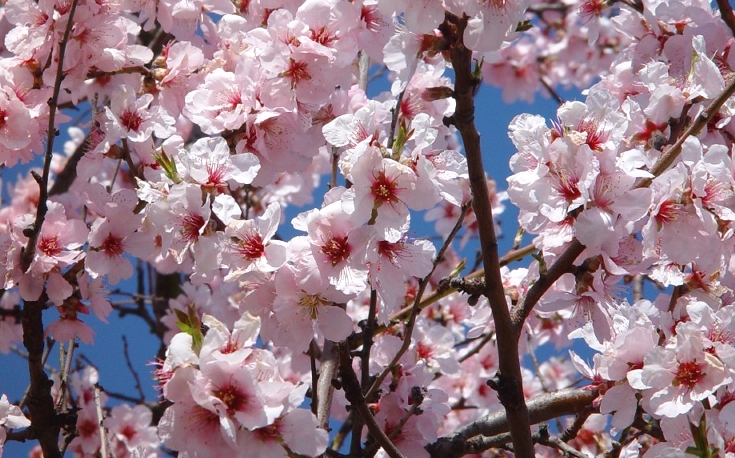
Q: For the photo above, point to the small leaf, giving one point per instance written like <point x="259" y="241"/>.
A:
<point x="523" y="26"/>
<point x="188" y="322"/>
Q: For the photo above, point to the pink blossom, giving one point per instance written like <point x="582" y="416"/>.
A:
<point x="298" y="430"/>
<point x="69" y="326"/>
<point x="88" y="441"/>
<point x="16" y="129"/>
<point x="410" y="441"/>
<point x="337" y="258"/>
<point x="130" y="426"/>
<point x="234" y="347"/>
<point x="11" y="331"/>
<point x="59" y="242"/>
<point x="490" y="22"/>
<point x="10" y="417"/>
<point x="331" y="25"/>
<point x="177" y="74"/>
<point x="234" y="396"/>
<point x="93" y="291"/>
<point x="384" y="192"/>
<point x="184" y="19"/>
<point x="224" y="99"/>
<point x="130" y="117"/>
<point x="435" y="348"/>
<point x="680" y="376"/>
<point x="422" y="16"/>
<point x="113" y="235"/>
<point x="187" y="425"/>
<point x="305" y="301"/>
<point x="250" y="246"/>
<point x="389" y="261"/>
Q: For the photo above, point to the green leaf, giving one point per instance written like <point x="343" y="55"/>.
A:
<point x="168" y="165"/>
<point x="188" y="322"/>
<point x="523" y="26"/>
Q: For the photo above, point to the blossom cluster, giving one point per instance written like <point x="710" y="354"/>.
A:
<point x="210" y="122"/>
<point x="593" y="176"/>
<point x="230" y="397"/>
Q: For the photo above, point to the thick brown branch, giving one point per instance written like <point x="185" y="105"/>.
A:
<point x="562" y="265"/>
<point x="727" y="15"/>
<point x="542" y="408"/>
<point x="66" y="177"/>
<point x="510" y="382"/>
<point x="41" y="410"/>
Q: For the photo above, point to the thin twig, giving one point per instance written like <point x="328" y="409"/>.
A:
<point x="364" y="65"/>
<point x="435" y="296"/>
<point x="558" y="444"/>
<point x="395" y="431"/>
<point x="132" y="370"/>
<point x="65" y="363"/>
<point x="335" y="169"/>
<point x="367" y="343"/>
<point x="367" y="340"/>
<point x="100" y="422"/>
<point x="342" y="432"/>
<point x="313" y="350"/>
<point x="394" y="120"/>
<point x="554" y="95"/>
<point x="415" y="308"/>
<point x="571" y="432"/>
<point x="562" y="265"/>
<point x="637" y="287"/>
<point x="114" y="175"/>
<point x="41" y="409"/>
<point x="476" y="349"/>
<point x="665" y="161"/>
<point x="534" y="362"/>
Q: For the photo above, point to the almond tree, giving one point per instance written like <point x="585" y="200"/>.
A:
<point x="232" y="163"/>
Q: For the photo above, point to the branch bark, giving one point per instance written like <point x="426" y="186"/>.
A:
<point x="353" y="393"/>
<point x="324" y="387"/>
<point x="42" y="412"/>
<point x="41" y="409"/>
<point x="509" y="381"/>
<point x="727" y="15"/>
<point x="546" y="407"/>
<point x="704" y="117"/>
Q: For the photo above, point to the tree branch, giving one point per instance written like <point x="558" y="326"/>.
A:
<point x="416" y="307"/>
<point x="545" y="407"/>
<point x="41" y="409"/>
<point x="353" y="393"/>
<point x="665" y="161"/>
<point x="727" y="15"/>
<point x="562" y="265"/>
<point x="324" y="387"/>
<point x="510" y="381"/>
